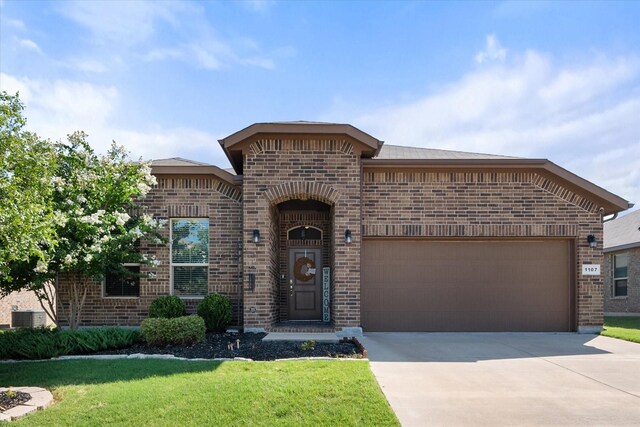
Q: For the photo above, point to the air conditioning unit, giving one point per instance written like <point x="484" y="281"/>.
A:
<point x="28" y="319"/>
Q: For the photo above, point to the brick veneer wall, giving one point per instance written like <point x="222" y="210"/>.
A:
<point x="278" y="169"/>
<point x="423" y="203"/>
<point x="630" y="303"/>
<point x="178" y="197"/>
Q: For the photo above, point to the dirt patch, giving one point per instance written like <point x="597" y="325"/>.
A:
<point x="10" y="399"/>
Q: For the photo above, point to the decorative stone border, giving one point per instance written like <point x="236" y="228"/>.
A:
<point x="164" y="357"/>
<point x="40" y="399"/>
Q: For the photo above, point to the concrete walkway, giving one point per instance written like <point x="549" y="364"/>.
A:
<point x="462" y="379"/>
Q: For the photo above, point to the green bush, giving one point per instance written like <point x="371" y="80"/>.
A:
<point x="216" y="311"/>
<point x="184" y="330"/>
<point x="167" y="306"/>
<point x="44" y="343"/>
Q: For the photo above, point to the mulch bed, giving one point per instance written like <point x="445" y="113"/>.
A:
<point x="251" y="347"/>
<point x="11" y="399"/>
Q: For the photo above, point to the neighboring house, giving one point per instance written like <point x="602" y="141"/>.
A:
<point x="322" y="227"/>
<point x="18" y="301"/>
<point x="622" y="264"/>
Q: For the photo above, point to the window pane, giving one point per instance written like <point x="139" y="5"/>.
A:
<point x="190" y="241"/>
<point x="190" y="281"/>
<point x="620" y="265"/>
<point x="119" y="284"/>
<point x="620" y="288"/>
<point x="304" y="233"/>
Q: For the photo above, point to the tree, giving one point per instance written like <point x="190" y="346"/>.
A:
<point x="95" y="224"/>
<point x="26" y="228"/>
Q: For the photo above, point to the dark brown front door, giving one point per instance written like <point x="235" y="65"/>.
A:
<point x="305" y="283"/>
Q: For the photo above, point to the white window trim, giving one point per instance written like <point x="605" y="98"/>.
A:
<point x="614" y="278"/>
<point x="171" y="290"/>
<point x="104" y="284"/>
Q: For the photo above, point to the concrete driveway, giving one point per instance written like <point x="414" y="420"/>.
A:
<point x="461" y="379"/>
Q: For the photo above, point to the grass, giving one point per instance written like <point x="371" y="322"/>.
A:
<point x="624" y="328"/>
<point x="177" y="393"/>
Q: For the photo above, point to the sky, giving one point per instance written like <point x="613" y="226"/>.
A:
<point x="555" y="80"/>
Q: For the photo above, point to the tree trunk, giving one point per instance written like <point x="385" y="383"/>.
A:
<point x="77" y="298"/>
<point x="47" y="299"/>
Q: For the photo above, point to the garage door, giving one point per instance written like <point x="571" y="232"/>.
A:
<point x="501" y="285"/>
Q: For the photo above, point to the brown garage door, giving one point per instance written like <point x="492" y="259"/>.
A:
<point x="500" y="285"/>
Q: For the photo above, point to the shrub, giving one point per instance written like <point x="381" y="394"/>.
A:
<point x="44" y="343"/>
<point x="184" y="330"/>
<point x="216" y="311"/>
<point x="308" y="345"/>
<point x="167" y="306"/>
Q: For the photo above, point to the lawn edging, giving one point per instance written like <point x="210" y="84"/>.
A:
<point x="167" y="357"/>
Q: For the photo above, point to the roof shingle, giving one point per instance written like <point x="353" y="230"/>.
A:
<point x="623" y="232"/>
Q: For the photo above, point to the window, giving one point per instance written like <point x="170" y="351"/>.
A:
<point x="620" y="262"/>
<point x="122" y="284"/>
<point x="190" y="257"/>
<point x="304" y="233"/>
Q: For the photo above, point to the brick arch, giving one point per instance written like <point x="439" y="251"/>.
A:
<point x="302" y="190"/>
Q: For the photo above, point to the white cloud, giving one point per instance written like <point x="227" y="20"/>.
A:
<point x="57" y="108"/>
<point x="87" y="65"/>
<point x="188" y="35"/>
<point x="260" y="6"/>
<point x="15" y="23"/>
<point x="127" y="23"/>
<point x="30" y="45"/>
<point x="583" y="117"/>
<point x="493" y="51"/>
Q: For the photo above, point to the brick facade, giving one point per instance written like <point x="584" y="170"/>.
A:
<point x="460" y="204"/>
<point x="367" y="198"/>
<point x="177" y="197"/>
<point x="277" y="170"/>
<point x="630" y="303"/>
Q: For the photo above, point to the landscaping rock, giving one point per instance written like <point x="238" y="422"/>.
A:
<point x="217" y="346"/>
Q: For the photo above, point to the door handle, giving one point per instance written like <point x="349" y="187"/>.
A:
<point x="291" y="287"/>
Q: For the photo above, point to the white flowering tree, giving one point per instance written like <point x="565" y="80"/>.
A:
<point x="97" y="224"/>
<point x="25" y="193"/>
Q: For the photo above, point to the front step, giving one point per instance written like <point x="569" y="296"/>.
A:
<point x="302" y="327"/>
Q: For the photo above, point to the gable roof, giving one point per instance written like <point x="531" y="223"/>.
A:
<point x="176" y="161"/>
<point x="232" y="144"/>
<point x="622" y="233"/>
<point x="389" y="151"/>
<point x="180" y="166"/>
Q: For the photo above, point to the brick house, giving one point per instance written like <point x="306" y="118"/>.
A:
<point x="321" y="226"/>
<point x="622" y="264"/>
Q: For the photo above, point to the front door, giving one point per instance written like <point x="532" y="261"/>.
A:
<point x="305" y="284"/>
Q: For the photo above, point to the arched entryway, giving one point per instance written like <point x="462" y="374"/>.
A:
<point x="304" y="260"/>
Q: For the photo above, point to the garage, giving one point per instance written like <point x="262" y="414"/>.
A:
<point x="467" y="285"/>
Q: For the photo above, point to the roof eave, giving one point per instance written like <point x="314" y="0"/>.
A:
<point x="621" y="247"/>
<point x="223" y="175"/>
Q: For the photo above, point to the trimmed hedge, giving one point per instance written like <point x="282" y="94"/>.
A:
<point x="216" y="311"/>
<point x="45" y="343"/>
<point x="184" y="330"/>
<point x="167" y="306"/>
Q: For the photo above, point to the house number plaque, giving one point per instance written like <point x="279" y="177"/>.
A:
<point x="590" y="269"/>
<point x="326" y="292"/>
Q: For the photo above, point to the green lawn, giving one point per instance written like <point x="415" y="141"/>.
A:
<point x="624" y="328"/>
<point x="174" y="393"/>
